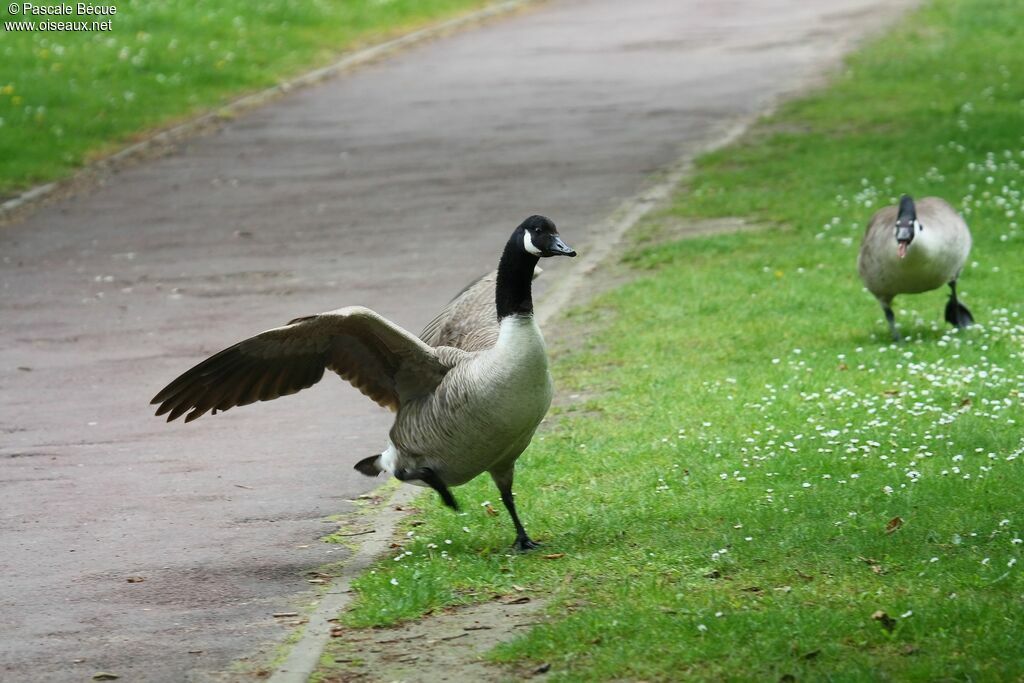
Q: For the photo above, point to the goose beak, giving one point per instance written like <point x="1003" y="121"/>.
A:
<point x="901" y="249"/>
<point x="560" y="248"/>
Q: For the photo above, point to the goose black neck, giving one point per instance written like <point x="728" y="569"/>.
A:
<point x="907" y="209"/>
<point x="513" y="294"/>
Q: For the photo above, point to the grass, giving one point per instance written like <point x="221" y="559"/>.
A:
<point x="751" y="470"/>
<point x="66" y="97"/>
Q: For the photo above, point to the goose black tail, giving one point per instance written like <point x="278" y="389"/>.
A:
<point x="431" y="479"/>
<point x="957" y="314"/>
<point x="370" y="466"/>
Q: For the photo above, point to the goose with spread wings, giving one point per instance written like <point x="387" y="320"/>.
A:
<point x="466" y="403"/>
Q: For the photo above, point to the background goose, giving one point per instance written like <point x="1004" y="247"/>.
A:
<point x="459" y="412"/>
<point x="915" y="248"/>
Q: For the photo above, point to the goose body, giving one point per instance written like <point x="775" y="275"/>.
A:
<point x="915" y="247"/>
<point x="459" y="411"/>
<point x="488" y="405"/>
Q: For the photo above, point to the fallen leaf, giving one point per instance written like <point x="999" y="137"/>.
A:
<point x="554" y="556"/>
<point x="285" y="614"/>
<point x="104" y="676"/>
<point x="805" y="577"/>
<point x="844" y="366"/>
<point x="135" y="579"/>
<point x="316" y="581"/>
<point x="517" y="601"/>
<point x="870" y="561"/>
<point x="542" y="669"/>
<point x="784" y="589"/>
<point x="964" y="403"/>
<point x="887" y="622"/>
<point x="489" y="509"/>
<point x="891" y="392"/>
<point x="713" y="574"/>
<point x="751" y="589"/>
<point x="518" y="589"/>
<point x="894" y="524"/>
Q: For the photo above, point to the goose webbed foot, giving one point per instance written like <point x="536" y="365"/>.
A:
<point x="524" y="543"/>
<point x="956" y="313"/>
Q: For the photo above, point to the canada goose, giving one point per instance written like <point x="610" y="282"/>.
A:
<point x="915" y="248"/>
<point x="458" y="413"/>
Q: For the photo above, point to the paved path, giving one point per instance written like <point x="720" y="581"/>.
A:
<point x="389" y="187"/>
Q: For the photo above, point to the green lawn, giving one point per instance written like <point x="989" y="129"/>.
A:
<point x="68" y="96"/>
<point x="746" y="434"/>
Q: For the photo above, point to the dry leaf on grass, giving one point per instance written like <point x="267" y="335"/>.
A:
<point x="517" y="601"/>
<point x="894" y="524"/>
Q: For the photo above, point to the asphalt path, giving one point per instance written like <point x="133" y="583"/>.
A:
<point x="391" y="187"/>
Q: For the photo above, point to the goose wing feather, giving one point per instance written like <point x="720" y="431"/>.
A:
<point x="470" y="320"/>
<point x="382" y="360"/>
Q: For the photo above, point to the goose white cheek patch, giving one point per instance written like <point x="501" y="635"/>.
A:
<point x="528" y="244"/>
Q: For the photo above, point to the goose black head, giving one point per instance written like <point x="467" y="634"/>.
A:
<point x="906" y="225"/>
<point x="540" y="238"/>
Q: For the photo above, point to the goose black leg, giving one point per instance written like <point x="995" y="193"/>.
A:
<point x="503" y="480"/>
<point x="890" y="318"/>
<point x="430" y="478"/>
<point x="956" y="313"/>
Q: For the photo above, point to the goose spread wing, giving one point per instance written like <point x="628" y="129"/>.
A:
<point x="379" y="358"/>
